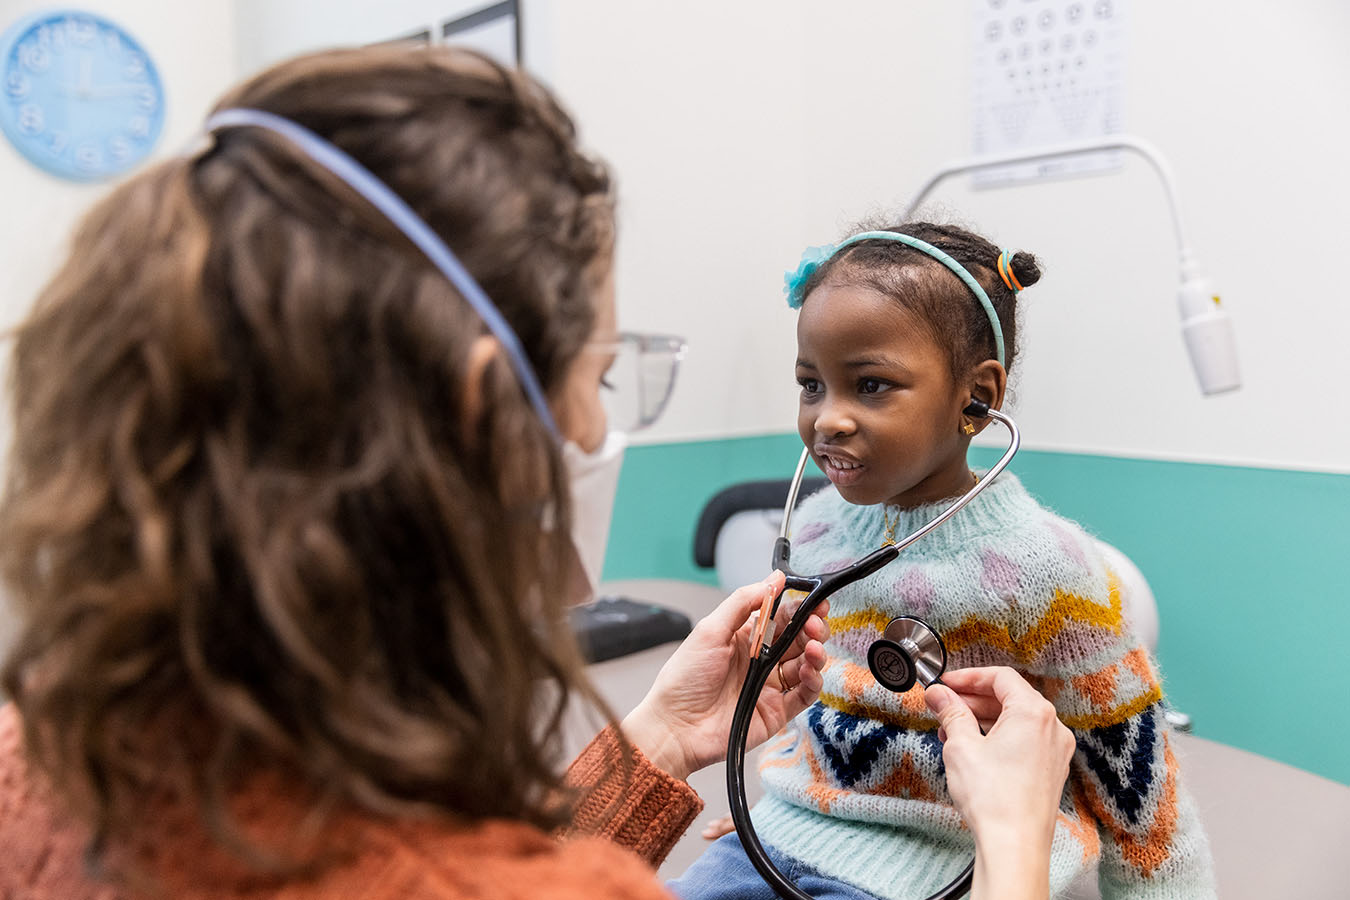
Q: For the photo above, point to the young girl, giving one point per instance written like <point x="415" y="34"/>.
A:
<point x="892" y="346"/>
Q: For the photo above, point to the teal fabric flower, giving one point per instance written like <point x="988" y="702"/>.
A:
<point x="795" y="282"/>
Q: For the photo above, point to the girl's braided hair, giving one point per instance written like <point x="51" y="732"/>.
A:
<point x="928" y="289"/>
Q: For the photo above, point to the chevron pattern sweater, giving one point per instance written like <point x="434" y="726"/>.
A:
<point x="855" y="785"/>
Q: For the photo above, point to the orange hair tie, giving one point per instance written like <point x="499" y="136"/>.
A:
<point x="1006" y="273"/>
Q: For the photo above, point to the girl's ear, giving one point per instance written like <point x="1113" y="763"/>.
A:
<point x="986" y="382"/>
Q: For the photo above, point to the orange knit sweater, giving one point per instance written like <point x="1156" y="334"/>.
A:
<point x="42" y="853"/>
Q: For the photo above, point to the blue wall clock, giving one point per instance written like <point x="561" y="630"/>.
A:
<point x="81" y="98"/>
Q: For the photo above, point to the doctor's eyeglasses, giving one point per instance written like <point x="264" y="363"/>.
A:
<point x="639" y="382"/>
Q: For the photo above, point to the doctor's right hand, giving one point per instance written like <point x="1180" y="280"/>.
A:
<point x="1007" y="783"/>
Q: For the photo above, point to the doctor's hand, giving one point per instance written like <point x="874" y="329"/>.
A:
<point x="1007" y="783"/>
<point x="683" y="723"/>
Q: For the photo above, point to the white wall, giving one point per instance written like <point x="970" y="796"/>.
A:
<point x="699" y="108"/>
<point x="696" y="106"/>
<point x="733" y="126"/>
<point x="272" y="30"/>
<point x="741" y="132"/>
<point x="1245" y="98"/>
<point x="192" y="44"/>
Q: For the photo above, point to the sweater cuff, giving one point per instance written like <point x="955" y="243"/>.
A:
<point x="628" y="800"/>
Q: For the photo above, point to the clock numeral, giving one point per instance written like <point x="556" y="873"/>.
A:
<point x="53" y="36"/>
<point x="81" y="31"/>
<point x="34" y="56"/>
<point x="135" y="67"/>
<point x="146" y="99"/>
<point x="57" y="142"/>
<point x="17" y="85"/>
<point x="139" y="126"/>
<point x="88" y="157"/>
<point x="120" y="148"/>
<point x="113" y="42"/>
<point x="31" y="119"/>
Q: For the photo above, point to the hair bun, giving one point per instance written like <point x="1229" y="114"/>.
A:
<point x="1025" y="268"/>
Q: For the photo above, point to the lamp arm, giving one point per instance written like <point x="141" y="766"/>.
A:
<point x="1112" y="142"/>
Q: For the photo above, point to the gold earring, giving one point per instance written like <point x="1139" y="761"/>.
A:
<point x="968" y="429"/>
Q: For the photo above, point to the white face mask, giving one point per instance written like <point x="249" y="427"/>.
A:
<point x="594" y="481"/>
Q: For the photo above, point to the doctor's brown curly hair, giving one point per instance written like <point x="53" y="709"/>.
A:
<point x="250" y="520"/>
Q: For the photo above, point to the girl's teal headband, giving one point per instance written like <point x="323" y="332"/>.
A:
<point x="814" y="257"/>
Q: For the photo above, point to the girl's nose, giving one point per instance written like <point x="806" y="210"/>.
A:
<point x="834" y="418"/>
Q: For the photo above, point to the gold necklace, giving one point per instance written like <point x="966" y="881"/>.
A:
<point x="888" y="539"/>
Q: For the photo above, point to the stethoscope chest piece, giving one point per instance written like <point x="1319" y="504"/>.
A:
<point x="907" y="651"/>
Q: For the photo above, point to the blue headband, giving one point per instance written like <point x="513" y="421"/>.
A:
<point x="815" y="257"/>
<point x="365" y="183"/>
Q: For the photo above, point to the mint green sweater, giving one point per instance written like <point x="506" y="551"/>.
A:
<point x="855" y="786"/>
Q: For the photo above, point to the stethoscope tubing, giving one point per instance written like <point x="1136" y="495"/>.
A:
<point x="818" y="588"/>
<point x="756" y="677"/>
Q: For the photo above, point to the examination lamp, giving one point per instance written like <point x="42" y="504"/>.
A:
<point x="1205" y="324"/>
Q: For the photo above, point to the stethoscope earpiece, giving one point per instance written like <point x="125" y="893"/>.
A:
<point x="977" y="408"/>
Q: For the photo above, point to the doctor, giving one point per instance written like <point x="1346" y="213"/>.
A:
<point x="289" y="522"/>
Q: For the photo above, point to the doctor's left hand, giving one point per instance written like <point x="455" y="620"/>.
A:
<point x="683" y="723"/>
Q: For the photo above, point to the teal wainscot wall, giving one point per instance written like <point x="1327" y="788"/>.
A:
<point x="1248" y="566"/>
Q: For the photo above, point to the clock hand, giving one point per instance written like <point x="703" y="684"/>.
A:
<point x="84" y="87"/>
<point x="105" y="91"/>
<point x="86" y="75"/>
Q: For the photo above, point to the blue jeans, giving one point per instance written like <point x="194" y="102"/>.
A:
<point x="724" y="872"/>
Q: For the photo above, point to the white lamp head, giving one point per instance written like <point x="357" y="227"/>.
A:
<point x="1204" y="323"/>
<point x="1208" y="332"/>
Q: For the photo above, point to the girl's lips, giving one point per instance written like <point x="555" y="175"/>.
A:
<point x="841" y="472"/>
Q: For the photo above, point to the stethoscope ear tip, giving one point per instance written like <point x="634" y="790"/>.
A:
<point x="977" y="408"/>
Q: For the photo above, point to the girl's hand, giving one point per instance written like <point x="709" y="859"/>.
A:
<point x="683" y="723"/>
<point x="718" y="827"/>
<point x="1007" y="783"/>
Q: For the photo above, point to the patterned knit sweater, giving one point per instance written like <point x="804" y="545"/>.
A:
<point x="855" y="786"/>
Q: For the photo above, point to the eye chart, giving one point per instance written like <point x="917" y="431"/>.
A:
<point x="1047" y="72"/>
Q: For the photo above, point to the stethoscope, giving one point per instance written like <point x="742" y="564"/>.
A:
<point x="908" y="651"/>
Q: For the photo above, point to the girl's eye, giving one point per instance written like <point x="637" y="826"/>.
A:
<point x="871" y="385"/>
<point x="809" y="385"/>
